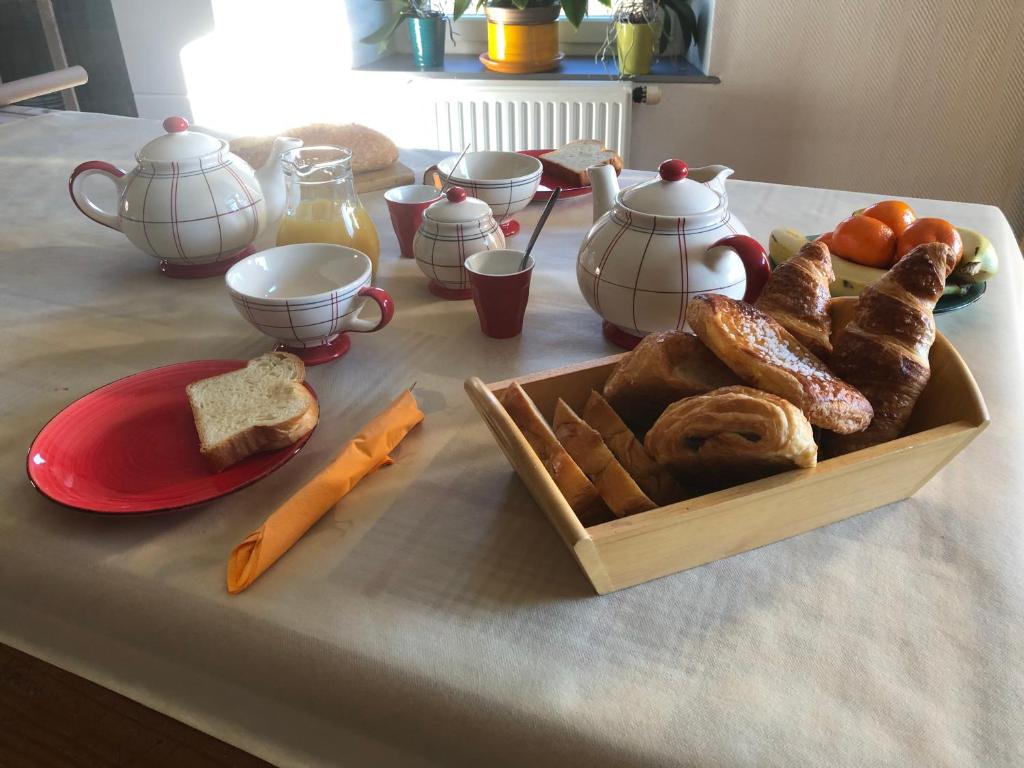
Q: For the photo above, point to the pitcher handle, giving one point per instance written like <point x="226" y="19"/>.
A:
<point x="82" y="201"/>
<point x="755" y="263"/>
<point x="387" y="311"/>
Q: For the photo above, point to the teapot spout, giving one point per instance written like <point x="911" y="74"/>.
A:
<point x="605" y="188"/>
<point x="271" y="177"/>
<point x="712" y="175"/>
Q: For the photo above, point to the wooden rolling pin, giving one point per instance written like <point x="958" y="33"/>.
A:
<point x="40" y="85"/>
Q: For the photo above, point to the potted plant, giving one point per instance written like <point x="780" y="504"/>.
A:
<point x="522" y="35"/>
<point x="635" y="29"/>
<point x="426" y="25"/>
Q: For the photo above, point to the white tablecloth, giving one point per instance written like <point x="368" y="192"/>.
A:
<point x="434" y="617"/>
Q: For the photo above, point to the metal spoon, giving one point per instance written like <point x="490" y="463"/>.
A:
<point x="456" y="166"/>
<point x="540" y="225"/>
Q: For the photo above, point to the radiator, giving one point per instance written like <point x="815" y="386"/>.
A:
<point x="527" y="114"/>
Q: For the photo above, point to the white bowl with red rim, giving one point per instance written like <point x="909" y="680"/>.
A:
<point x="308" y="297"/>
<point x="506" y="181"/>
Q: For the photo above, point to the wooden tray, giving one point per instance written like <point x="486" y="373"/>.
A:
<point x="632" y="550"/>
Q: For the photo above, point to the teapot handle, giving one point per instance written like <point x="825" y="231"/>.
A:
<point x="82" y="201"/>
<point x="755" y="263"/>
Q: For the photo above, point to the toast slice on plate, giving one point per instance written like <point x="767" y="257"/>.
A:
<point x="570" y="163"/>
<point x="261" y="407"/>
<point x="619" y="491"/>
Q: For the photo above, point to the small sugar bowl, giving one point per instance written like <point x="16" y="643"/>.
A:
<point x="453" y="229"/>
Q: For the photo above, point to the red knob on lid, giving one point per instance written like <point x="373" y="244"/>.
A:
<point x="456" y="195"/>
<point x="673" y="170"/>
<point x="175" y="124"/>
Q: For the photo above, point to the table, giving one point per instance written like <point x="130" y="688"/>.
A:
<point x="433" y="617"/>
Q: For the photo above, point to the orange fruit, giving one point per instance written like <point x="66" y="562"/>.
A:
<point x="930" y="231"/>
<point x="827" y="240"/>
<point x="865" y="241"/>
<point x="896" y="214"/>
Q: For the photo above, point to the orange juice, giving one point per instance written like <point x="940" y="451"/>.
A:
<point x="331" y="221"/>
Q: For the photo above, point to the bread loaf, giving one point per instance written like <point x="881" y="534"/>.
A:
<point x="371" y="150"/>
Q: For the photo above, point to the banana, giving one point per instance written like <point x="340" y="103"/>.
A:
<point x="979" y="262"/>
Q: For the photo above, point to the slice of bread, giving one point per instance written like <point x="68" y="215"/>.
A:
<point x="658" y="484"/>
<point x="261" y="407"/>
<point x="619" y="491"/>
<point x="578" y="491"/>
<point x="570" y="163"/>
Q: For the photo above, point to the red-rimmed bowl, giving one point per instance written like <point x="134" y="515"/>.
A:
<point x="131" y="447"/>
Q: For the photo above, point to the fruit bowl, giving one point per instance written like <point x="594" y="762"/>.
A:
<point x="979" y="264"/>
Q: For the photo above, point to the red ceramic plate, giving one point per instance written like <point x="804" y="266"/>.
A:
<point x="131" y="447"/>
<point x="548" y="182"/>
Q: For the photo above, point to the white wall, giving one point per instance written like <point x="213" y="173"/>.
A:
<point x="923" y="98"/>
<point x="152" y="34"/>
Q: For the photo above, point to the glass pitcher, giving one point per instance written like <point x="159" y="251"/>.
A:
<point x="322" y="205"/>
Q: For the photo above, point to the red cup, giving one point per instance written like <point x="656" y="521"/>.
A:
<point x="406" y="206"/>
<point x="500" y="291"/>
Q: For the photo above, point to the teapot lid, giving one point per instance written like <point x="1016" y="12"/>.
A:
<point x="179" y="143"/>
<point x="671" y="193"/>
<point x="456" y="207"/>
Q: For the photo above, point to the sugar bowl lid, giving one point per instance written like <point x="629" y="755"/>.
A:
<point x="670" y="193"/>
<point x="456" y="207"/>
<point x="179" y="143"/>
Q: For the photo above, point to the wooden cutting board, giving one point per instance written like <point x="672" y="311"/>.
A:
<point x="395" y="175"/>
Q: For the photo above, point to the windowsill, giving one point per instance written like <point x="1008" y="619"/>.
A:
<point x="460" y="66"/>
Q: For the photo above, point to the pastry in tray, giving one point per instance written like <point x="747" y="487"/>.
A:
<point x="655" y="481"/>
<point x="575" y="486"/>
<point x="586" y="446"/>
<point x="797" y="296"/>
<point x="732" y="435"/>
<point x="663" y="368"/>
<point x="884" y="350"/>
<point x="765" y="355"/>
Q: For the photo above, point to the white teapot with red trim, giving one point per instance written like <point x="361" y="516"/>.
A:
<point x="657" y="244"/>
<point x="189" y="202"/>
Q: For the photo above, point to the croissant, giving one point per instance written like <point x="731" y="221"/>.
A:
<point x="767" y="356"/>
<point x="731" y="435"/>
<point x="797" y="296"/>
<point x="883" y="351"/>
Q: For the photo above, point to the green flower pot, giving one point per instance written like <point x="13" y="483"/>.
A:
<point x="427" y="38"/>
<point x="635" y="46"/>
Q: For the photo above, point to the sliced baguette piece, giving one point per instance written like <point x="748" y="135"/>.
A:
<point x="658" y="484"/>
<point x="261" y="407"/>
<point x="619" y="491"/>
<point x="578" y="491"/>
<point x="570" y="163"/>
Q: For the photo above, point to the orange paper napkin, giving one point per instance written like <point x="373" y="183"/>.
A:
<point x="367" y="452"/>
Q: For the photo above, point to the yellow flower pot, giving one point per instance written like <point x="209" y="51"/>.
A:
<point x="635" y="45"/>
<point x="522" y="41"/>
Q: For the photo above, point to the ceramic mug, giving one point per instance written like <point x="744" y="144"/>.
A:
<point x="406" y="206"/>
<point x="501" y="290"/>
<point x="308" y="296"/>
